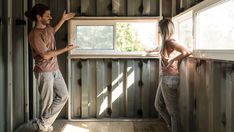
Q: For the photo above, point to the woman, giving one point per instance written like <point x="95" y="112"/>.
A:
<point x="171" y="54"/>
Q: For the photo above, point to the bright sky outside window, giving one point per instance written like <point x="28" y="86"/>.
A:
<point x="95" y="37"/>
<point x="216" y="27"/>
<point x="186" y="33"/>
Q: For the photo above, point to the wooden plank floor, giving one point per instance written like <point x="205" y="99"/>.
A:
<point x="103" y="126"/>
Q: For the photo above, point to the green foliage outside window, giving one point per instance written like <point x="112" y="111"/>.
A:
<point x="127" y="39"/>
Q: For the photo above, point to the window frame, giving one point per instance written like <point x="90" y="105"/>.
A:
<point x="204" y="53"/>
<point x="183" y="17"/>
<point x="72" y="34"/>
<point x="105" y="21"/>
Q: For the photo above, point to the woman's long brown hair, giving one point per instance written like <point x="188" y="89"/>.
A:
<point x="166" y="28"/>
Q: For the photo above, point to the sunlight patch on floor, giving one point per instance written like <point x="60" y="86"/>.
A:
<point x="72" y="128"/>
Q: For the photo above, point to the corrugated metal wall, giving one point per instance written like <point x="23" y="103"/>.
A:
<point x="115" y="7"/>
<point x="13" y="66"/>
<point x="4" y="67"/>
<point x="116" y="88"/>
<point x="206" y="95"/>
<point x="18" y="42"/>
<point x="2" y="73"/>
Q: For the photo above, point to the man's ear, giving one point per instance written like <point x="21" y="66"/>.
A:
<point x="38" y="17"/>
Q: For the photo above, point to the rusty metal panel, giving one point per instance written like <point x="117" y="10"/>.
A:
<point x="88" y="7"/>
<point x="223" y="91"/>
<point x="208" y="104"/>
<point x="196" y="89"/>
<point x="227" y="98"/>
<point x="18" y="42"/>
<point x="186" y="94"/>
<point x="7" y="40"/>
<point x="75" y="6"/>
<point x="115" y="7"/>
<point x="146" y="89"/>
<point x="42" y="2"/>
<point x="230" y="102"/>
<point x="153" y="84"/>
<point x="134" y="7"/>
<point x="210" y="88"/>
<point x="2" y="76"/>
<point x="138" y="89"/>
<point x="191" y="65"/>
<point x="154" y="8"/>
<point x="119" y="7"/>
<point x="202" y="95"/>
<point x="104" y="7"/>
<point x="150" y="7"/>
<point x="215" y="110"/>
<point x="202" y="98"/>
<point x="92" y="89"/>
<point x="85" y="89"/>
<point x="167" y="8"/>
<point x="150" y="79"/>
<point x="76" y="89"/>
<point x="183" y="93"/>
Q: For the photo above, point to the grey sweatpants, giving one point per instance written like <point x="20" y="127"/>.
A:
<point x="166" y="101"/>
<point x="53" y="96"/>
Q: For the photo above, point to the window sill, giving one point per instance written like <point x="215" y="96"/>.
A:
<point x="225" y="55"/>
<point x="115" y="55"/>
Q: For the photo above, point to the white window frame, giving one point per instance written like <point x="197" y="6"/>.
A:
<point x="72" y="34"/>
<point x="210" y="54"/>
<point x="94" y="21"/>
<point x="200" y="53"/>
<point x="180" y="18"/>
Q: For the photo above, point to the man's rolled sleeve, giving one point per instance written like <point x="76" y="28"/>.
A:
<point x="38" y="45"/>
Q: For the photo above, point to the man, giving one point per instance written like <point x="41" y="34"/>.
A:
<point x="51" y="85"/>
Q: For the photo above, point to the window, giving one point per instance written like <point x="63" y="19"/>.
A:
<point x="214" y="30"/>
<point x="186" y="33"/>
<point x="132" y="36"/>
<point x="184" y="30"/>
<point x="208" y="29"/>
<point x="108" y="37"/>
<point x="95" y="37"/>
<point x="215" y="27"/>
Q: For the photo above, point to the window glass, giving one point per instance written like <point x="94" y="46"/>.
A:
<point x="95" y="37"/>
<point x="135" y="36"/>
<point x="186" y="33"/>
<point x="216" y="27"/>
<point x="112" y="37"/>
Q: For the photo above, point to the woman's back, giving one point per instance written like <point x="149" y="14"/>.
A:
<point x="171" y="70"/>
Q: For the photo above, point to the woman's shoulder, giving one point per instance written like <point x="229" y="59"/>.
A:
<point x="170" y="42"/>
